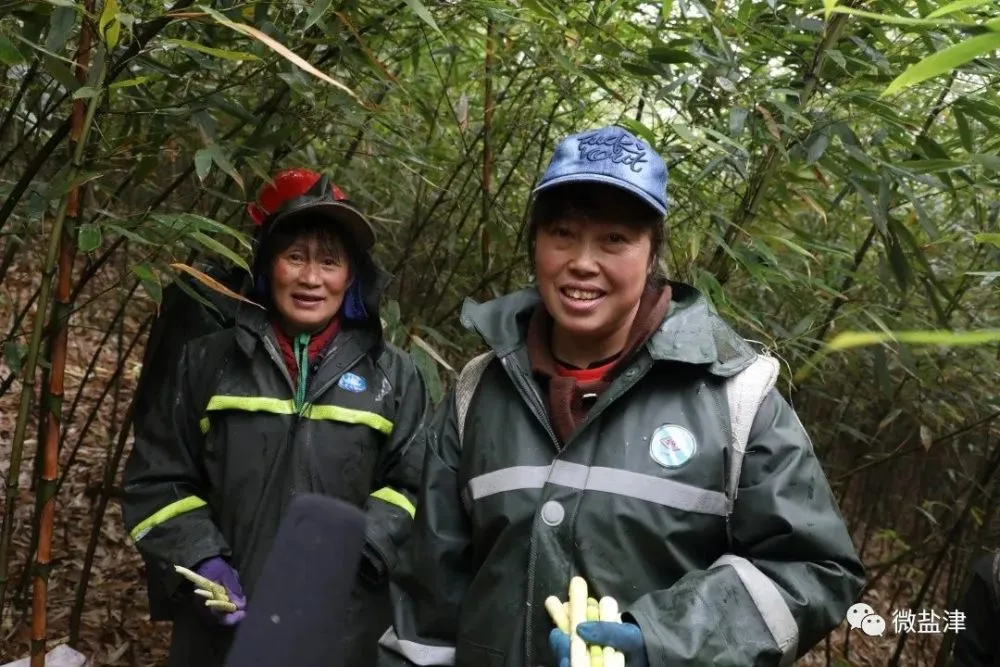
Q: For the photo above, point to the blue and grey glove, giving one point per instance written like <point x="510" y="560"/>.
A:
<point x="624" y="637"/>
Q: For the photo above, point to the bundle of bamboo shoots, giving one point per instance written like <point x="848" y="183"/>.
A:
<point x="215" y="594"/>
<point x="568" y="615"/>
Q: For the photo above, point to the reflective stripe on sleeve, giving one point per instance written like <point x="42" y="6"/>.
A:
<point x="769" y="602"/>
<point x="423" y="655"/>
<point x="394" y="497"/>
<point x="164" y="514"/>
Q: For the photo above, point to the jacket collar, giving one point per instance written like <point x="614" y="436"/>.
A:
<point x="692" y="332"/>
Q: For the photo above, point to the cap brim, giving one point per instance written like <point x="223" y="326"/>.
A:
<point x="606" y="180"/>
<point x="347" y="217"/>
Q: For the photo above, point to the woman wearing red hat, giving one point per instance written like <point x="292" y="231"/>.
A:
<point x="301" y="395"/>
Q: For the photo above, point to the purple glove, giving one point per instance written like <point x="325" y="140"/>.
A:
<point x="221" y="572"/>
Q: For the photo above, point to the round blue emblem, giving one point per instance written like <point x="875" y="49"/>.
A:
<point x="672" y="446"/>
<point x="352" y="382"/>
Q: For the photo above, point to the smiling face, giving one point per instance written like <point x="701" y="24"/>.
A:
<point x="310" y="275"/>
<point x="592" y="263"/>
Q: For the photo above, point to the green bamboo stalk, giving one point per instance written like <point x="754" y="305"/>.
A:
<point x="28" y="384"/>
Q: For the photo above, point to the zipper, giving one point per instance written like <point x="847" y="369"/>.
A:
<point x="277" y="359"/>
<point x="531" y="395"/>
<point x="726" y="455"/>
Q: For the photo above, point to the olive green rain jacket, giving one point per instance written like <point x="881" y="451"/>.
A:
<point x="724" y="555"/>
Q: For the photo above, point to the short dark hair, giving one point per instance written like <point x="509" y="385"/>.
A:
<point x="605" y="203"/>
<point x="329" y="238"/>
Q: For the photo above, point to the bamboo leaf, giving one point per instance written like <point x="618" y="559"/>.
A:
<point x="85" y="92"/>
<point x="957" y="6"/>
<point x="895" y="19"/>
<point x="989" y="238"/>
<point x="109" y="26"/>
<point x="851" y="339"/>
<point x="219" y="249"/>
<point x="944" y="61"/>
<point x="420" y="10"/>
<point x="316" y="12"/>
<point x="426" y="347"/>
<point x="988" y="161"/>
<point x="9" y="55"/>
<point x="14" y="354"/>
<point x="817" y="148"/>
<point x="60" y="73"/>
<point x="225" y="54"/>
<point x="88" y="237"/>
<point x="60" y="25"/>
<point x="127" y="83"/>
<point x="219" y="158"/>
<point x="150" y="281"/>
<point x="792" y="245"/>
<point x="202" y="163"/>
<point x="278" y="48"/>
<point x="212" y="283"/>
<point x="964" y="131"/>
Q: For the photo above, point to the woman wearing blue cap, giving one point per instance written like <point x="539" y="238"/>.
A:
<point x="619" y="431"/>
<point x="302" y="395"/>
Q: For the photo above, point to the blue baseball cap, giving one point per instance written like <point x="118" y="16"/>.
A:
<point x="613" y="156"/>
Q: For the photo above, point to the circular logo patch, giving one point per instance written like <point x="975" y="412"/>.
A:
<point x="672" y="446"/>
<point x="352" y="382"/>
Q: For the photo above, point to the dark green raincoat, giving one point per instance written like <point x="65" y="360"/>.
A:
<point x="218" y="458"/>
<point x="507" y="516"/>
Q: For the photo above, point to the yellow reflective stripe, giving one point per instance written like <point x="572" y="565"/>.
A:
<point x="279" y="406"/>
<point x="394" y="497"/>
<point x="252" y="404"/>
<point x="349" y="416"/>
<point x="175" y="508"/>
<point x="204" y="425"/>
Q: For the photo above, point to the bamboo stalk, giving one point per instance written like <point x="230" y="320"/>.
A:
<point x="45" y="495"/>
<point x="28" y="385"/>
<point x="487" y="146"/>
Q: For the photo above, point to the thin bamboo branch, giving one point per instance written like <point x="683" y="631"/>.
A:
<point x="110" y="470"/>
<point x="720" y="265"/>
<point x="16" y="102"/>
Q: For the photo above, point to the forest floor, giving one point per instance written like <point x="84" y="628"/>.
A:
<point x="115" y="626"/>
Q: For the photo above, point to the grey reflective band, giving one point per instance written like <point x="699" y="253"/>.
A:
<point x="608" y="480"/>
<point x="465" y="387"/>
<point x="422" y="655"/>
<point x="769" y="602"/>
<point x="745" y="391"/>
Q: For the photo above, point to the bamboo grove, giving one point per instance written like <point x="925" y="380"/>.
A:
<point x="834" y="170"/>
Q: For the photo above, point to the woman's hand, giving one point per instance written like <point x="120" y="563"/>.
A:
<point x="217" y="571"/>
<point x="624" y="637"/>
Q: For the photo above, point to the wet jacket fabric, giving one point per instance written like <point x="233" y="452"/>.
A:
<point x="185" y="313"/>
<point x="217" y="461"/>
<point x="978" y="645"/>
<point x="506" y="516"/>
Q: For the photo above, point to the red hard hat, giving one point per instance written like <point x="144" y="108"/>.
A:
<point x="284" y="186"/>
<point x="297" y="191"/>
